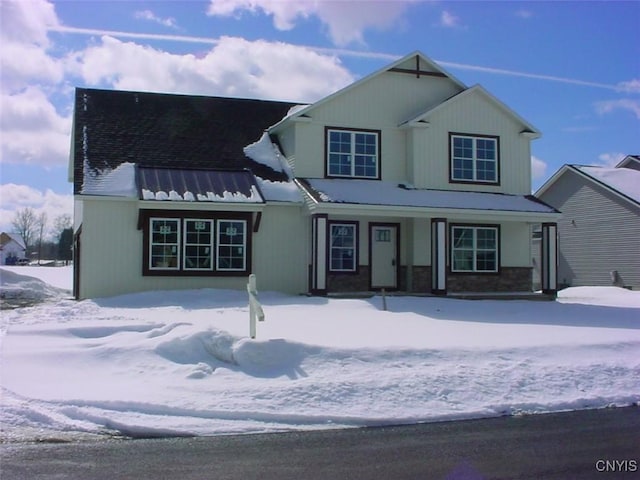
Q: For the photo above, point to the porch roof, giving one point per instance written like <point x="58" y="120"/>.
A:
<point x="388" y="194"/>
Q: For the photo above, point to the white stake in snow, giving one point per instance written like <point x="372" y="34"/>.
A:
<point x="255" y="308"/>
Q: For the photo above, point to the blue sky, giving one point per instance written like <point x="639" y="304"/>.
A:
<point x="572" y="69"/>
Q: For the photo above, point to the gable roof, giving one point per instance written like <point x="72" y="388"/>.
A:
<point x="167" y="130"/>
<point x="623" y="182"/>
<point x="6" y="238"/>
<point x="414" y="63"/>
<point x="630" y="161"/>
<point x="475" y="90"/>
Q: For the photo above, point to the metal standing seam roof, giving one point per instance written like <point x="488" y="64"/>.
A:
<point x="197" y="185"/>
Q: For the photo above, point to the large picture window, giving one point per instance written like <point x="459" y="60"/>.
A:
<point x="181" y="243"/>
<point x="474" y="249"/>
<point x="474" y="158"/>
<point x="342" y="249"/>
<point x="352" y="153"/>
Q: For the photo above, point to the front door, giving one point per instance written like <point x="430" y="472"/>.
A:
<point x="383" y="256"/>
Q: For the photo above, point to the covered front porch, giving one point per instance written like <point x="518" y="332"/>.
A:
<point x="415" y="244"/>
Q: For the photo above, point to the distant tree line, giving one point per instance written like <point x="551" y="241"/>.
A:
<point x="42" y="242"/>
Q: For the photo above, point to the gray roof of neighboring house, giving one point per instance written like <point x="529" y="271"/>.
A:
<point x="624" y="181"/>
<point x="112" y="128"/>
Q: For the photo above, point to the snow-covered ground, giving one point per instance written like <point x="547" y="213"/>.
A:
<point x="180" y="362"/>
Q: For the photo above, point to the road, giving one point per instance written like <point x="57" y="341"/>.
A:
<point x="598" y="444"/>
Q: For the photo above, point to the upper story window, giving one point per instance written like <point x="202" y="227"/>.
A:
<point x="353" y="153"/>
<point x="474" y="158"/>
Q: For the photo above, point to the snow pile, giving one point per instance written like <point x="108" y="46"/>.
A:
<point x="177" y="363"/>
<point x="17" y="290"/>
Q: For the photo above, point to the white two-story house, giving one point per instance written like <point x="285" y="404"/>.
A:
<point x="405" y="180"/>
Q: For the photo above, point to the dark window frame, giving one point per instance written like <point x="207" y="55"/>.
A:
<point x="474" y="180"/>
<point x="475" y="227"/>
<point x="352" y="131"/>
<point x="356" y="246"/>
<point x="144" y="224"/>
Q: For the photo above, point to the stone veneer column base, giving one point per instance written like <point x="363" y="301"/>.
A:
<point x="510" y="279"/>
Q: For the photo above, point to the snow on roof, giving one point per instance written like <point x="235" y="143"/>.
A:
<point x="623" y="180"/>
<point x="7" y="237"/>
<point x="280" y="191"/>
<point x="386" y="193"/>
<point x="264" y="151"/>
<point x="117" y="182"/>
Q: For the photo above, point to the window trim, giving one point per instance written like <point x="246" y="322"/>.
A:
<point x="353" y="131"/>
<point x="475" y="180"/>
<point x="144" y="224"/>
<point x="356" y="230"/>
<point x="475" y="227"/>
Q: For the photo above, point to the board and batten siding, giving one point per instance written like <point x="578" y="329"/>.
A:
<point x="111" y="252"/>
<point x="473" y="114"/>
<point x="382" y="103"/>
<point x="599" y="233"/>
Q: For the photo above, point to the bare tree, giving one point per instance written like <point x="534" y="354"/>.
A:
<point x="25" y="224"/>
<point x="60" y="224"/>
<point x="41" y="226"/>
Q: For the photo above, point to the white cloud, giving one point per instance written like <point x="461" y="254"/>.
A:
<point x="234" y="67"/>
<point x="14" y="197"/>
<point x="32" y="130"/>
<point x="449" y="20"/>
<point x="538" y="168"/>
<point x="345" y="21"/>
<point x="631" y="86"/>
<point x="26" y="21"/>
<point x="23" y="35"/>
<point x="152" y="17"/>
<point x="610" y="159"/>
<point x="609" y="106"/>
<point x="522" y="13"/>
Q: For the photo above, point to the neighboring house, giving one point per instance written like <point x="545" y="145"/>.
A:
<point x="405" y="180"/>
<point x="599" y="233"/>
<point x="12" y="248"/>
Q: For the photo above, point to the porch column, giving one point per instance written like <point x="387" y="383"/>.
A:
<point x="439" y="256"/>
<point x="319" y="254"/>
<point x="549" y="258"/>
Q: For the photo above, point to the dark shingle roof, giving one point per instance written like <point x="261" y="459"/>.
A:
<point x="166" y="130"/>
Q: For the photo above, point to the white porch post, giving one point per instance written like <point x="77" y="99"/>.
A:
<point x="439" y="256"/>
<point x="549" y="258"/>
<point x="319" y="254"/>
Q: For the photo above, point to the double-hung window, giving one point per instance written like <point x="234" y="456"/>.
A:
<point x="232" y="245"/>
<point x="352" y="153"/>
<point x="342" y="249"/>
<point x="474" y="158"/>
<point x="215" y="244"/>
<point x="474" y="249"/>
